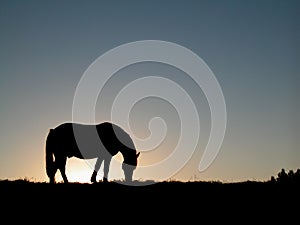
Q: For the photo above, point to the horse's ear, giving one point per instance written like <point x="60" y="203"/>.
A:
<point x="137" y="155"/>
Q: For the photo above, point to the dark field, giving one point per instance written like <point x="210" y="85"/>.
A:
<point x="254" y="200"/>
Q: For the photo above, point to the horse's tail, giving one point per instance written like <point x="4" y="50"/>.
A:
<point x="50" y="164"/>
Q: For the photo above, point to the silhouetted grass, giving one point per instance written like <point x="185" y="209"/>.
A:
<point x="200" y="199"/>
<point x="248" y="199"/>
<point x="23" y="188"/>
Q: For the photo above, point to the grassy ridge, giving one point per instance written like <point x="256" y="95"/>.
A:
<point x="273" y="201"/>
<point x="168" y="200"/>
<point x="248" y="190"/>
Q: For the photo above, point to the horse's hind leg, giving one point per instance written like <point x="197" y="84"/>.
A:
<point x="97" y="167"/>
<point x="61" y="164"/>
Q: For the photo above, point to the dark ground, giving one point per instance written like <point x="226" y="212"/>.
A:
<point x="192" y="201"/>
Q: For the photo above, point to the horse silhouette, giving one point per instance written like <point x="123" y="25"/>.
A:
<point x="84" y="141"/>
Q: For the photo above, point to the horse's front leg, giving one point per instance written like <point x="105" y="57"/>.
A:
<point x="106" y="168"/>
<point x="97" y="167"/>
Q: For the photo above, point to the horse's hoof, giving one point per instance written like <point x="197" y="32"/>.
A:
<point x="93" y="177"/>
<point x="93" y="180"/>
<point x="105" y="180"/>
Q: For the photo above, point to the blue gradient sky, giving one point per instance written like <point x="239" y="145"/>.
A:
<point x="252" y="47"/>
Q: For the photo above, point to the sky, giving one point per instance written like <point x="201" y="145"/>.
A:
<point x="252" y="48"/>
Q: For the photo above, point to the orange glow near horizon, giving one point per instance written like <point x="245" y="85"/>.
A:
<point x="77" y="171"/>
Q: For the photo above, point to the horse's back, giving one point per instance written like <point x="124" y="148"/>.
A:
<point x="82" y="140"/>
<point x="73" y="139"/>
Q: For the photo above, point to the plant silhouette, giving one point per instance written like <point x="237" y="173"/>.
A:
<point x="287" y="178"/>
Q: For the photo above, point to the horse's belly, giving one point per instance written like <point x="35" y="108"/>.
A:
<point x="86" y="151"/>
<point x="82" y="141"/>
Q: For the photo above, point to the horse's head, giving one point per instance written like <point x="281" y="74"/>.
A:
<point x="129" y="165"/>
